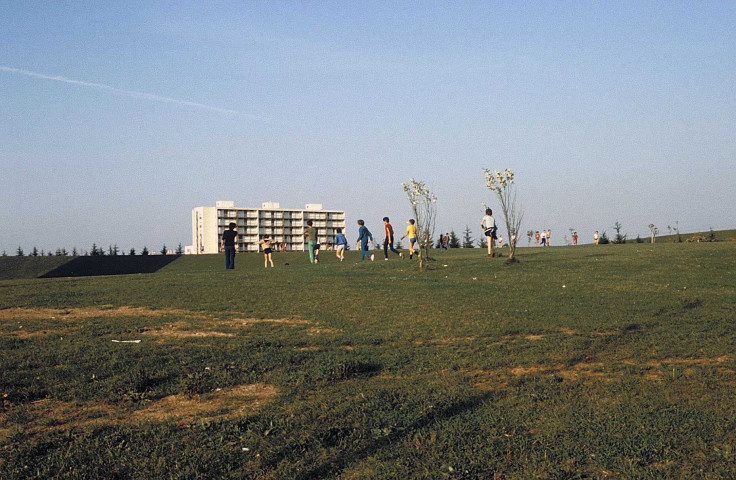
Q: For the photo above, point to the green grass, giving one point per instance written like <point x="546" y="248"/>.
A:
<point x="28" y="267"/>
<point x="609" y="361"/>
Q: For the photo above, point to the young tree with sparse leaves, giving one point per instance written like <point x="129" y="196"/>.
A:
<point x="654" y="230"/>
<point x="502" y="184"/>
<point x="424" y="206"/>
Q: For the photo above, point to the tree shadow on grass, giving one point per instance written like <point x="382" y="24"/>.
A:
<point x="332" y="468"/>
<point x="114" y="265"/>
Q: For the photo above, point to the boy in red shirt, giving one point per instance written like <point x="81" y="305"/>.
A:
<point x="388" y="242"/>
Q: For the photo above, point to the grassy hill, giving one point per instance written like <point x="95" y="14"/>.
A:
<point x="28" y="267"/>
<point x="608" y="361"/>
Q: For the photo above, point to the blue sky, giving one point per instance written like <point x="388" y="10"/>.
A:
<point x="604" y="110"/>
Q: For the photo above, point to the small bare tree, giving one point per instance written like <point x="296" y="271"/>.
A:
<point x="424" y="206"/>
<point x="502" y="183"/>
<point x="654" y="230"/>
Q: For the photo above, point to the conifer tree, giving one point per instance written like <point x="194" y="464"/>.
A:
<point x="454" y="241"/>
<point x="467" y="239"/>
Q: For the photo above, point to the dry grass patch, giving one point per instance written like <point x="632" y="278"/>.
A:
<point x="181" y="330"/>
<point x="251" y="321"/>
<point x="23" y="332"/>
<point x="221" y="404"/>
<point x="105" y="311"/>
<point x="48" y="415"/>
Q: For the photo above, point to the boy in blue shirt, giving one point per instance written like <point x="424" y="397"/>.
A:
<point x="364" y="236"/>
<point x="340" y="244"/>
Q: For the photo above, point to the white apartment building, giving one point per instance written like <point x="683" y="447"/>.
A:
<point x="283" y="225"/>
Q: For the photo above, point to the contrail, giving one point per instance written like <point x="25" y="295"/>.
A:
<point x="130" y="93"/>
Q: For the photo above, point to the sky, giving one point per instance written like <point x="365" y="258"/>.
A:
<point x="118" y="118"/>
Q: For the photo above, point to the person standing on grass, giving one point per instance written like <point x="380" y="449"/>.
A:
<point x="549" y="238"/>
<point x="445" y="242"/>
<point x="340" y="244"/>
<point x="595" y="238"/>
<point x="364" y="238"/>
<point x="488" y="224"/>
<point x="227" y="245"/>
<point x="574" y="238"/>
<point x="267" y="252"/>
<point x="536" y="238"/>
<point x="311" y="234"/>
<point x="411" y="234"/>
<point x="544" y="238"/>
<point x="388" y="242"/>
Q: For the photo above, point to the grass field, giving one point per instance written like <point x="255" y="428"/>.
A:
<point x="614" y="361"/>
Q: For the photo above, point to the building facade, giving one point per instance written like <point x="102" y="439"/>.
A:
<point x="283" y="225"/>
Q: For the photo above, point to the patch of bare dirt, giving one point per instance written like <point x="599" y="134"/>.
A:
<point x="567" y="331"/>
<point x="534" y="338"/>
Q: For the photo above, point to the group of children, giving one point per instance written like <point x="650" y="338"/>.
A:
<point x="364" y="241"/>
<point x="544" y="239"/>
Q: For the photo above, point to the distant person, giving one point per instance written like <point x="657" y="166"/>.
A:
<point x="543" y="238"/>
<point x="340" y="244"/>
<point x="500" y="241"/>
<point x="364" y="239"/>
<point x="536" y="238"/>
<point x="574" y="238"/>
<point x="488" y="224"/>
<point x="549" y="238"/>
<point x="445" y="242"/>
<point x="311" y="234"/>
<point x="411" y="235"/>
<point x="595" y="238"/>
<point x="388" y="241"/>
<point x="227" y="245"/>
<point x="267" y="252"/>
<point x="317" y="247"/>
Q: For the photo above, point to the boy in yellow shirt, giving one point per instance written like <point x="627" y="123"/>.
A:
<point x="411" y="234"/>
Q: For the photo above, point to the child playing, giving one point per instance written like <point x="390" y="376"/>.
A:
<point x="340" y="244"/>
<point x="267" y="252"/>
<point x="388" y="242"/>
<point x="364" y="237"/>
<point x="411" y="233"/>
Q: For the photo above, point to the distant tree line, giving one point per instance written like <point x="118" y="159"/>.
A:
<point x="95" y="251"/>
